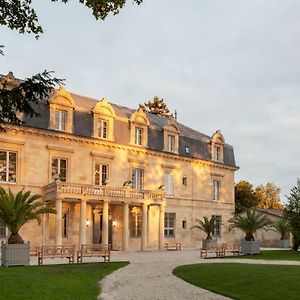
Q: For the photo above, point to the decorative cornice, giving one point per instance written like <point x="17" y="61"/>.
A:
<point x="59" y="148"/>
<point x="9" y="141"/>
<point x="99" y="154"/>
<point x="138" y="161"/>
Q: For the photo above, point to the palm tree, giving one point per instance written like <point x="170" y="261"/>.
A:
<point x="206" y="226"/>
<point x="249" y="222"/>
<point x="16" y="210"/>
<point x="283" y="227"/>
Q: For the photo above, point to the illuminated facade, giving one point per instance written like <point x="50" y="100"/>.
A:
<point x="117" y="175"/>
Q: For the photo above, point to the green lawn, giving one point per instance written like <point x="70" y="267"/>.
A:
<point x="273" y="255"/>
<point x="244" y="281"/>
<point x="77" y="281"/>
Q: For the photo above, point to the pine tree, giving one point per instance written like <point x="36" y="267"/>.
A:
<point x="156" y="107"/>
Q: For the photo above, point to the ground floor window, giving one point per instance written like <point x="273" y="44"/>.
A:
<point x="218" y="223"/>
<point x="51" y="226"/>
<point x="3" y="233"/>
<point x="65" y="223"/>
<point x="170" y="219"/>
<point x="135" y="222"/>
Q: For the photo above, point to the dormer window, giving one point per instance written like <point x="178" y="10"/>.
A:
<point x="217" y="153"/>
<point x="102" y="128"/>
<point x="171" y="143"/>
<point x="138" y="135"/>
<point x="60" y="119"/>
<point x="171" y="136"/>
<point x="217" y="145"/>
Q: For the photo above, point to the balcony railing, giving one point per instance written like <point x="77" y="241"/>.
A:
<point x="53" y="190"/>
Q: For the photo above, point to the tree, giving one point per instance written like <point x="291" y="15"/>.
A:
<point x="268" y="196"/>
<point x="249" y="222"/>
<point x="21" y="16"/>
<point x="292" y="213"/>
<point x="245" y="196"/>
<point x="16" y="210"/>
<point x="207" y="226"/>
<point x="283" y="227"/>
<point x="156" y="107"/>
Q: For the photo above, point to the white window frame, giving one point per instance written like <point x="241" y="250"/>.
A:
<point x="60" y="119"/>
<point x="169" y="184"/>
<point x="59" y="167"/>
<point x="7" y="167"/>
<point x="138" y="135"/>
<point x="102" y="128"/>
<point x="171" y="143"/>
<point x="135" y="222"/>
<point x="218" y="226"/>
<point x="103" y="176"/>
<point x="216" y="189"/>
<point x="137" y="178"/>
<point x="167" y="227"/>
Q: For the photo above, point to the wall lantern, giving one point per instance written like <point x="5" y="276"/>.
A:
<point x="87" y="222"/>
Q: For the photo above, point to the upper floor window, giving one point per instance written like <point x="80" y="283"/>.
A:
<point x="218" y="153"/>
<point x="184" y="181"/>
<point x="138" y="135"/>
<point x="216" y="191"/>
<point x="171" y="143"/>
<point x="135" y="223"/>
<point x="218" y="142"/>
<point x="101" y="174"/>
<point x="170" y="221"/>
<point x="137" y="178"/>
<point x="102" y="128"/>
<point x="8" y="166"/>
<point x="60" y="117"/>
<point x="59" y="168"/>
<point x="169" y="184"/>
<point x="217" y="229"/>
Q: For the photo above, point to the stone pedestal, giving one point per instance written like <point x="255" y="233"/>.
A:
<point x="15" y="254"/>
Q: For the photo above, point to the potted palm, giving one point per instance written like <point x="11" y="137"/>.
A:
<point x="249" y="222"/>
<point x="15" y="211"/>
<point x="283" y="227"/>
<point x="207" y="226"/>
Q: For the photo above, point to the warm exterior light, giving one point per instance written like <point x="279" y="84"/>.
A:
<point x="114" y="223"/>
<point x="87" y="222"/>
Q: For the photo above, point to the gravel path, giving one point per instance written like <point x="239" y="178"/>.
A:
<point x="149" y="277"/>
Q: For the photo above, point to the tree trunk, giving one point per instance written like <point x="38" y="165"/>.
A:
<point x="15" y="238"/>
<point x="249" y="237"/>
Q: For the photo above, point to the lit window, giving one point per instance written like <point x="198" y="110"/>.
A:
<point x="184" y="181"/>
<point x="169" y="184"/>
<point x="135" y="223"/>
<point x="8" y="166"/>
<point x="138" y="135"/>
<point x="217" y="229"/>
<point x="60" y="117"/>
<point x="59" y="168"/>
<point x="2" y="231"/>
<point x="101" y="174"/>
<point x="102" y="128"/>
<point x="170" y="224"/>
<point x="171" y="143"/>
<point x="137" y="178"/>
<point x="216" y="189"/>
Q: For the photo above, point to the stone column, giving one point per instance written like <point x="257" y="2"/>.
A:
<point x="162" y="226"/>
<point x="82" y="229"/>
<point x="58" y="222"/>
<point x="125" y="226"/>
<point x="105" y="223"/>
<point x="144" y="227"/>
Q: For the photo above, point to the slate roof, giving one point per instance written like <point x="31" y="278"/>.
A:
<point x="198" y="143"/>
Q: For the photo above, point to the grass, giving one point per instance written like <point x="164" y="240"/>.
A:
<point x="273" y="255"/>
<point x="75" y="281"/>
<point x="244" y="281"/>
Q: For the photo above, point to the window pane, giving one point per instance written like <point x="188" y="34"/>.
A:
<point x="12" y="167"/>
<point x="97" y="174"/>
<point x="3" y="165"/>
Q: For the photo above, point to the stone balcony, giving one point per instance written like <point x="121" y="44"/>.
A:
<point x="65" y="190"/>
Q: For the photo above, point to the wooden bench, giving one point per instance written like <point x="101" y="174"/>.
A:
<point x="94" y="250"/>
<point x="56" y="252"/>
<point x="219" y="249"/>
<point x="234" y="248"/>
<point x="175" y="246"/>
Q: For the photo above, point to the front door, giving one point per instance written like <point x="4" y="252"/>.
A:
<point x="97" y="228"/>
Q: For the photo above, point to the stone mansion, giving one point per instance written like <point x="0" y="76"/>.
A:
<point x="117" y="175"/>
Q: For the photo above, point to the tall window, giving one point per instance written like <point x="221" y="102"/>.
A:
<point x="171" y="143"/>
<point x="218" y="153"/>
<point x="59" y="167"/>
<point x="102" y="128"/>
<point x="8" y="166"/>
<point x="2" y="231"/>
<point x="217" y="229"/>
<point x="135" y="223"/>
<point x="216" y="189"/>
<point x="170" y="219"/>
<point x="169" y="184"/>
<point x="60" y="119"/>
<point x="51" y="225"/>
<point x="138" y="132"/>
<point x="65" y="223"/>
<point x="137" y="178"/>
<point x="101" y="174"/>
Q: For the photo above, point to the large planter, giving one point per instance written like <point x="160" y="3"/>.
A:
<point x="15" y="254"/>
<point x="205" y="242"/>
<point x="250" y="247"/>
<point x="283" y="244"/>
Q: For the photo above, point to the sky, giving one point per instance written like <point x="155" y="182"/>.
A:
<point x="230" y="65"/>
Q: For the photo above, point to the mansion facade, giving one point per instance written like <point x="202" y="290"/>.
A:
<point x="117" y="175"/>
